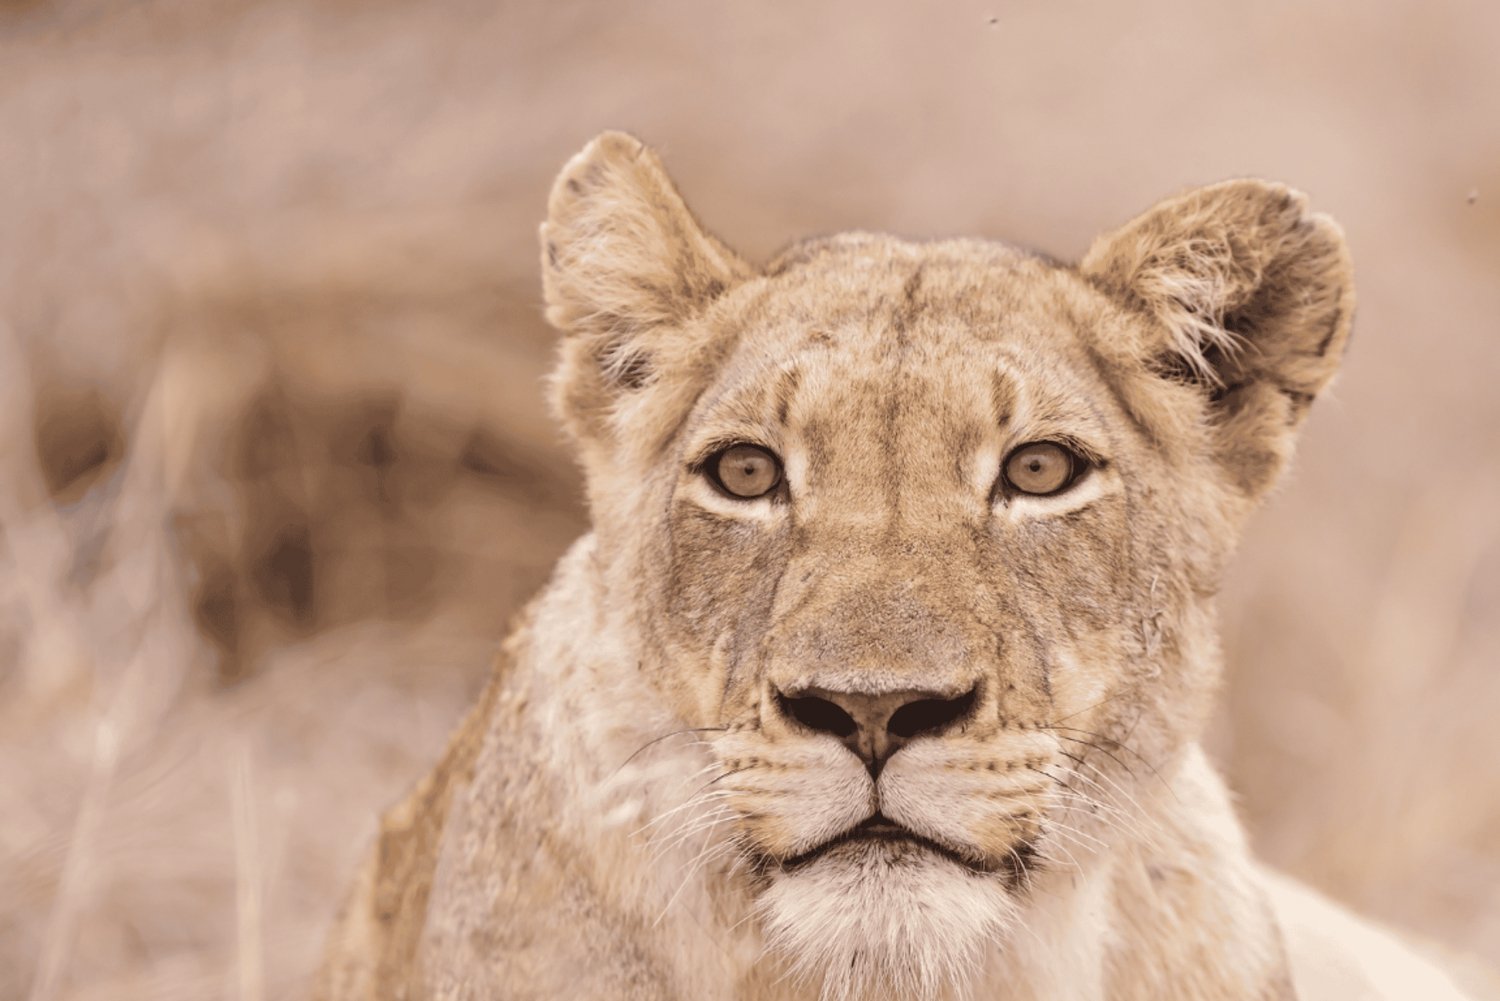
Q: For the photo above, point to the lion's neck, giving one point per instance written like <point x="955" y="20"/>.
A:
<point x="1093" y="929"/>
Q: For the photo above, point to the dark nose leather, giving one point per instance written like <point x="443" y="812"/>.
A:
<point x="875" y="727"/>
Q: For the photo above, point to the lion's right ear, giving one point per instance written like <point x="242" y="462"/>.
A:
<point x="625" y="268"/>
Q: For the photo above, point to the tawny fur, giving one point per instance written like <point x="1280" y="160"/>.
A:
<point x="620" y="816"/>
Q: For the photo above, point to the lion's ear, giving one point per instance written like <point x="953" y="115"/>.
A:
<point x="625" y="268"/>
<point x="1247" y="296"/>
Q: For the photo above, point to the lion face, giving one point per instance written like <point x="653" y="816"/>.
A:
<point x="891" y="628"/>
<point x="927" y="611"/>
<point x="922" y="537"/>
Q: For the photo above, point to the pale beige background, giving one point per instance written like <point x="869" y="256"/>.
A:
<point x="274" y="470"/>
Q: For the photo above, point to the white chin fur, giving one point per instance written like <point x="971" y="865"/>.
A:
<point x="885" y="921"/>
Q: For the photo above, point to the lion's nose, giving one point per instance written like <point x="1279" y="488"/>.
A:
<point x="876" y="726"/>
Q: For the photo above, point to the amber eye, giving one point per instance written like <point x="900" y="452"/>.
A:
<point x="1042" y="468"/>
<point x="745" y="471"/>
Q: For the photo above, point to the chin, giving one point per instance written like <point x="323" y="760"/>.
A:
<point x="884" y="918"/>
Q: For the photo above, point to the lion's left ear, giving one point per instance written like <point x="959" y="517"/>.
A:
<point x="1248" y="296"/>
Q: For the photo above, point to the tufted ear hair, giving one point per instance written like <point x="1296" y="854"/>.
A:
<point x="1248" y="298"/>
<point x="625" y="269"/>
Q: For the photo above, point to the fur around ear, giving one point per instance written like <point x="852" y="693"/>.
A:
<point x="1249" y="297"/>
<point x="624" y="267"/>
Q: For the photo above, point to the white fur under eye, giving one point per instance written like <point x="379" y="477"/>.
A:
<point x="1093" y="485"/>
<point x="699" y="492"/>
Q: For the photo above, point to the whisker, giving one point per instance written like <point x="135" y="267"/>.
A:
<point x="670" y="844"/>
<point x="1139" y="811"/>
<point x="1102" y="750"/>
<point x="1020" y="862"/>
<point x="689" y="779"/>
<point x="1136" y="816"/>
<point x="1085" y="709"/>
<point x="1117" y="743"/>
<point x="666" y="736"/>
<point x="1079" y="837"/>
<point x="700" y="829"/>
<point x="701" y="790"/>
<point x="1038" y="853"/>
<point x="696" y="800"/>
<point x="700" y="862"/>
<point x="1111" y="817"/>
<point x="732" y="771"/>
<point x="1117" y="819"/>
<point x="691" y="827"/>
<point x="1080" y="774"/>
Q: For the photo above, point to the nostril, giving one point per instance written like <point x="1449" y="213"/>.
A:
<point x="929" y="715"/>
<point x="818" y="714"/>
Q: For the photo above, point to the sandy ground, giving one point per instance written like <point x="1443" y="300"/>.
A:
<point x="274" y="470"/>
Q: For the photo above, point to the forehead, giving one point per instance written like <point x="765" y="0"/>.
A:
<point x="942" y="329"/>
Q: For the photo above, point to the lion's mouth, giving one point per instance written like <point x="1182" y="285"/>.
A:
<point x="879" y="829"/>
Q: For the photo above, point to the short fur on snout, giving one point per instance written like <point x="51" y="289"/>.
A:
<point x="689" y="778"/>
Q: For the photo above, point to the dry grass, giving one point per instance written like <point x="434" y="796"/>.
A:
<point x="274" y="470"/>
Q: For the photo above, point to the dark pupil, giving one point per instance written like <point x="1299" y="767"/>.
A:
<point x="746" y="472"/>
<point x="1035" y="464"/>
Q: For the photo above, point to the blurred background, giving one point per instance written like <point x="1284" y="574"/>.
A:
<point x="275" y="470"/>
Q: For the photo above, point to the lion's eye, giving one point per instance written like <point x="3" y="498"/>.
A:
<point x="1042" y="468"/>
<point x="745" y="471"/>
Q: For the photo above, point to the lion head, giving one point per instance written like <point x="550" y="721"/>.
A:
<point x="922" y="538"/>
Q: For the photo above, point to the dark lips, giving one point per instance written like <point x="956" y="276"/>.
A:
<point x="881" y="828"/>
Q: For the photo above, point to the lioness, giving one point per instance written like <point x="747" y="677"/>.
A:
<point x="883" y="671"/>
